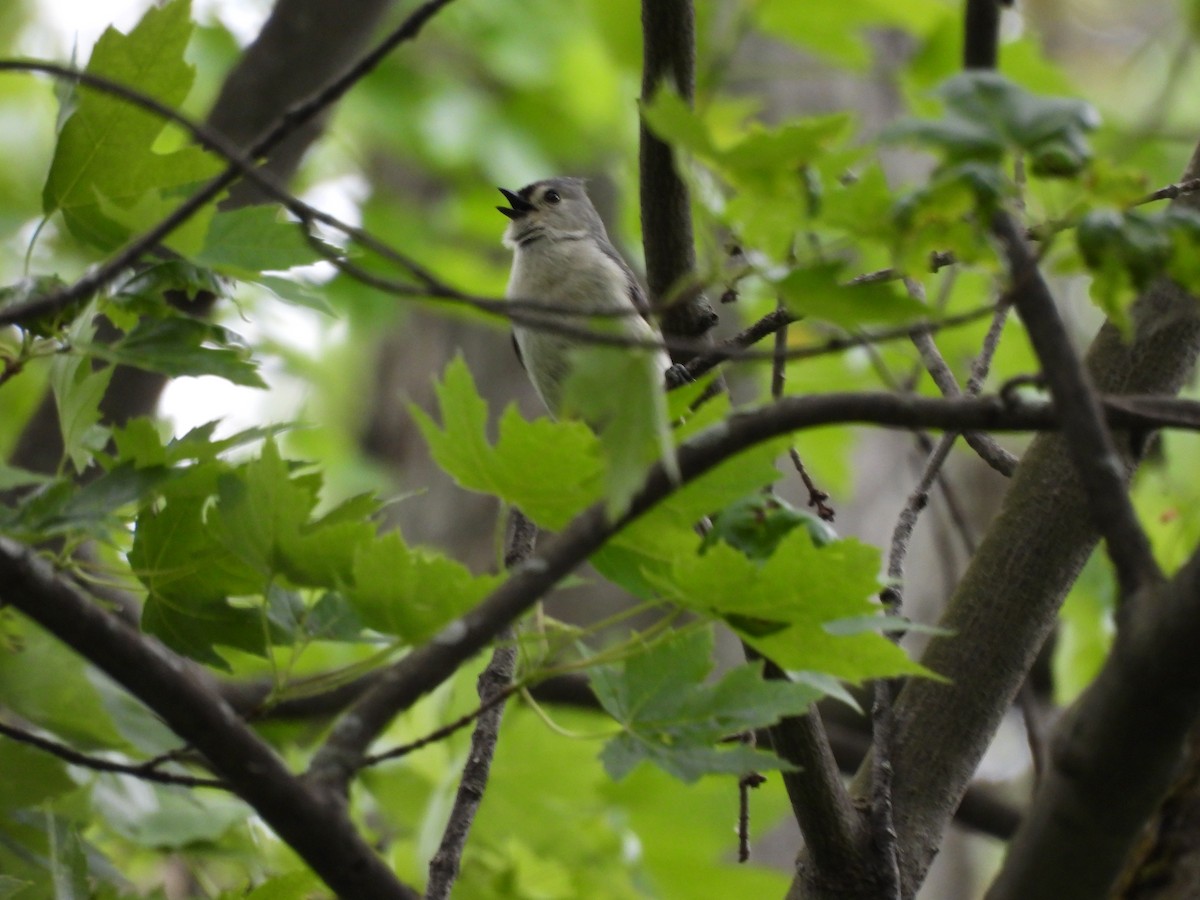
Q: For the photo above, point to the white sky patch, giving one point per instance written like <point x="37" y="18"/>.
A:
<point x="59" y="28"/>
<point x="59" y="25"/>
<point x="341" y="197"/>
<point x="189" y="402"/>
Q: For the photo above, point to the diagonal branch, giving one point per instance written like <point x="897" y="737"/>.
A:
<point x="1088" y="440"/>
<point x="1007" y="601"/>
<point x="403" y="683"/>
<point x="287" y="124"/>
<point x="831" y="826"/>
<point x="319" y="832"/>
<point x="1115" y="753"/>
<point x="495" y="685"/>
<point x="984" y="446"/>
<point x="97" y="764"/>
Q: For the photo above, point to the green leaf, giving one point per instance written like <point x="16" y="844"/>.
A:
<point x="948" y="214"/>
<point x="758" y="522"/>
<point x="93" y="507"/>
<point x="262" y="517"/>
<point x="260" y="507"/>
<point x="322" y="552"/>
<point x="411" y="592"/>
<point x="189" y="574"/>
<point x="180" y="345"/>
<point x="1183" y="226"/>
<point x="619" y="392"/>
<point x="198" y="444"/>
<point x="651" y="545"/>
<point x="11" y="887"/>
<point x="761" y="158"/>
<point x="106" y="148"/>
<point x="195" y="628"/>
<point x="292" y="886"/>
<point x="46" y="684"/>
<point x="987" y="115"/>
<point x="152" y="206"/>
<point x="1124" y="251"/>
<point x="246" y="242"/>
<point x="139" y="443"/>
<point x="296" y="292"/>
<point x="16" y="477"/>
<point x="42" y="776"/>
<point x="333" y="618"/>
<point x="672" y="718"/>
<point x="783" y="606"/>
<point x="817" y="291"/>
<point x="166" y="816"/>
<point x="767" y="156"/>
<point x="841" y="38"/>
<point x="672" y="119"/>
<point x="551" y="470"/>
<point x="78" y="390"/>
<point x="68" y="862"/>
<point x="175" y="555"/>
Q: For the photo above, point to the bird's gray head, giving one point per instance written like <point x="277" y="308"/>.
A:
<point x="556" y="209"/>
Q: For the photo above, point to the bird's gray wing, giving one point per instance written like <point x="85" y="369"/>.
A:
<point x="633" y="287"/>
<point x="520" y="357"/>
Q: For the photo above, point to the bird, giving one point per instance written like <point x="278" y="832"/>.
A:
<point x="562" y="256"/>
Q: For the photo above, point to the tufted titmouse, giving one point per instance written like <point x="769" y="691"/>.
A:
<point x="562" y="256"/>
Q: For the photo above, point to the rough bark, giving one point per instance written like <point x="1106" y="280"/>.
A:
<point x="1006" y="604"/>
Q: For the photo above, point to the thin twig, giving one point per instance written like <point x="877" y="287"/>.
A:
<point x="495" y="685"/>
<point x="439" y="734"/>
<point x="427" y="666"/>
<point x="288" y="123"/>
<point x="734" y="348"/>
<point x="746" y="784"/>
<point x="318" y="831"/>
<point x="137" y="770"/>
<point x="986" y="447"/>
<point x="817" y="498"/>
<point x="883" y="828"/>
<point x="1171" y="191"/>
<point x="1088" y="439"/>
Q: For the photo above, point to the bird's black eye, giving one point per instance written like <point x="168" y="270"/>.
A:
<point x="552" y="196"/>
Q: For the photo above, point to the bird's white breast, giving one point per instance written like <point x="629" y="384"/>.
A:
<point x="576" y="275"/>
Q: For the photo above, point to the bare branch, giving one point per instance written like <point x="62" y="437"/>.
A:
<point x="1172" y="191"/>
<point x="1089" y="442"/>
<point x="669" y="57"/>
<point x="96" y="763"/>
<point x="1007" y="602"/>
<point x="981" y="34"/>
<point x="733" y="348"/>
<point x="287" y="123"/>
<point x="428" y="666"/>
<point x="1115" y="753"/>
<point x="831" y="826"/>
<point x="986" y="447"/>
<point x="318" y="831"/>
<point x="494" y="687"/>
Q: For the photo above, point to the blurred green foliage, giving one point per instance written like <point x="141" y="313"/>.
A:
<point x="258" y="554"/>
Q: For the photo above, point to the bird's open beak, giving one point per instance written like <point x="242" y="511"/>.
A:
<point x="520" y="206"/>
